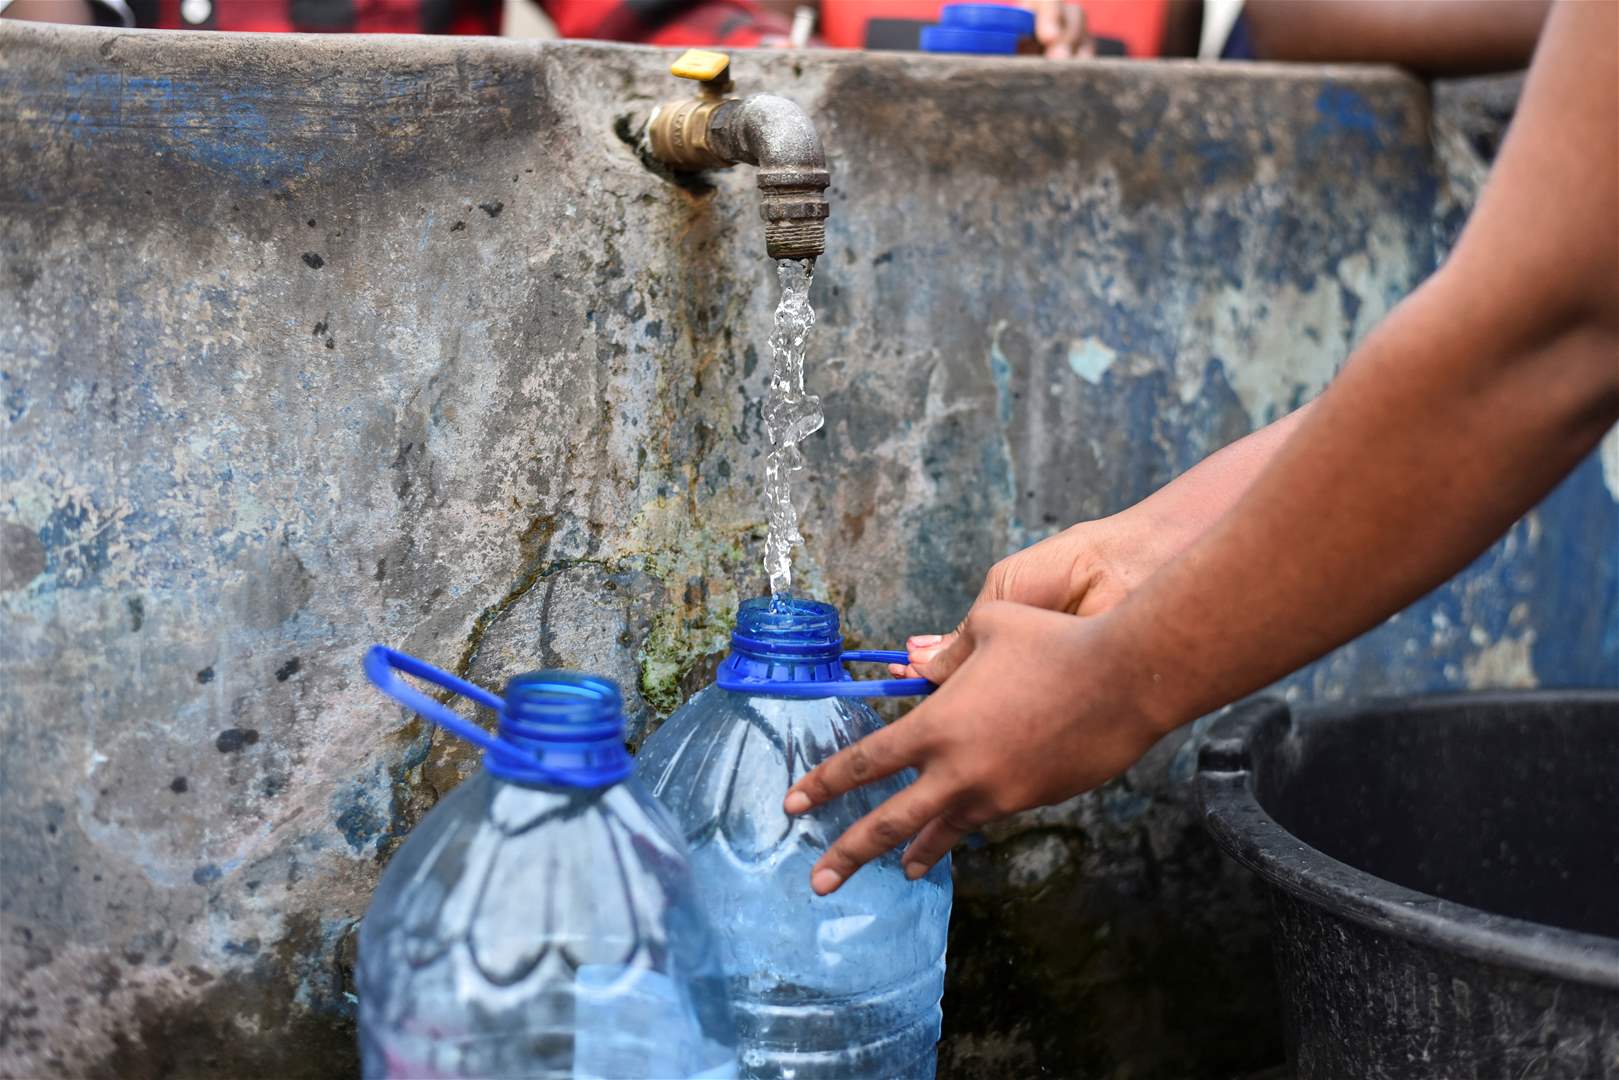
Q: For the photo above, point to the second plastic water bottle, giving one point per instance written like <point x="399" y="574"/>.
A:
<point x="842" y="986"/>
<point x="541" y="922"/>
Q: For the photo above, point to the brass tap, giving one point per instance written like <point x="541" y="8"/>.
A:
<point x="679" y="129"/>
<point x="715" y="131"/>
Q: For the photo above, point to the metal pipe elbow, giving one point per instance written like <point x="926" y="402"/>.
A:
<point x="777" y="137"/>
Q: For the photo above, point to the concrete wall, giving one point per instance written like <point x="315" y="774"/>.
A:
<point x="310" y="343"/>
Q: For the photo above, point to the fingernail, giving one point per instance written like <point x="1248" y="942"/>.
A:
<point x="824" y="881"/>
<point x="796" y="802"/>
<point x="922" y="641"/>
<point x="914" y="870"/>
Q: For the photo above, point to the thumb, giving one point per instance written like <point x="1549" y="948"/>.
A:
<point x="937" y="663"/>
<point x="919" y="648"/>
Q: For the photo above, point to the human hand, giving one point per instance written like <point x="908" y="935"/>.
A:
<point x="1083" y="570"/>
<point x="1059" y="27"/>
<point x="1035" y="706"/>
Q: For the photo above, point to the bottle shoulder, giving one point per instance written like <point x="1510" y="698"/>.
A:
<point x="509" y="873"/>
<point x="723" y="762"/>
<point x="711" y="712"/>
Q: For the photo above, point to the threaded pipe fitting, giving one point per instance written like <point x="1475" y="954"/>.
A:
<point x="795" y="239"/>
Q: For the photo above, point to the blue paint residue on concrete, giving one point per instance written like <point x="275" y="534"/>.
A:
<point x="317" y="990"/>
<point x="1575" y="568"/>
<point x="1419" y="199"/>
<point x="222" y="127"/>
<point x="76" y="547"/>
<point x="13" y="398"/>
<point x="416" y="753"/>
<point x="1122" y="806"/>
<point x="1349" y="304"/>
<point x="1346" y="111"/>
<point x="1220" y="159"/>
<point x="1396" y="157"/>
<point x="1090" y="358"/>
<point x="1000" y="371"/>
<point x="1219" y="244"/>
<point x="1208" y="421"/>
<point x="1139" y="330"/>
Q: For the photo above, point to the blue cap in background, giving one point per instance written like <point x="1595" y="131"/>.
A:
<point x="992" y="29"/>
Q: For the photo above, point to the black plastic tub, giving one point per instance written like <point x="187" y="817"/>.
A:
<point x="1445" y="877"/>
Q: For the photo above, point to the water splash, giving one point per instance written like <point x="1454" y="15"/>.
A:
<point x="791" y="416"/>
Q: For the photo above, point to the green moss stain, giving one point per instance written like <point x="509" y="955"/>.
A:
<point x="678" y="640"/>
<point x="704" y="572"/>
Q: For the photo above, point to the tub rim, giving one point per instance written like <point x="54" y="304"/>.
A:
<point x="1246" y="832"/>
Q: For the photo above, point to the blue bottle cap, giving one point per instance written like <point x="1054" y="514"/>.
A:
<point x="556" y="728"/>
<point x="996" y="18"/>
<point x="950" y="39"/>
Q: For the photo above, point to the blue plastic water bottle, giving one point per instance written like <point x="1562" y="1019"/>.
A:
<point x="542" y="920"/>
<point x="846" y="985"/>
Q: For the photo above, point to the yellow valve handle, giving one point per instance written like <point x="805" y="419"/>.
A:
<point x="700" y="64"/>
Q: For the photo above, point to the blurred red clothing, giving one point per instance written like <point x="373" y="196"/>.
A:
<point x="735" y="23"/>
<point x="1136" y="25"/>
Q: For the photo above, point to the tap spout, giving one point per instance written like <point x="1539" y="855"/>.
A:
<point x="765" y="131"/>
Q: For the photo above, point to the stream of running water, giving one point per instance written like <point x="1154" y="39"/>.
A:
<point x="790" y="416"/>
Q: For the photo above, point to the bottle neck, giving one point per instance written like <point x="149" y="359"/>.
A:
<point x="569" y="728"/>
<point x="786" y="639"/>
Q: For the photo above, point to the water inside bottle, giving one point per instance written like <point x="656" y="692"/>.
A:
<point x="825" y="987"/>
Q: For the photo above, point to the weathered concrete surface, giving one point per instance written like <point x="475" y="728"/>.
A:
<point x="314" y="342"/>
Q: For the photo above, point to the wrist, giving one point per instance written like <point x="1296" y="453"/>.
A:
<point x="1137" y="541"/>
<point x="1146" y="667"/>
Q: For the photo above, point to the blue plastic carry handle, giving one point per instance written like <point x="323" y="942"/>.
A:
<point x="381" y="663"/>
<point x="558" y="728"/>
<point x="744" y="676"/>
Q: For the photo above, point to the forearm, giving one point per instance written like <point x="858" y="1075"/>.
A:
<point x="1175" y="516"/>
<point x="1480" y="392"/>
<point x="1384" y="492"/>
<point x="1432" y="37"/>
